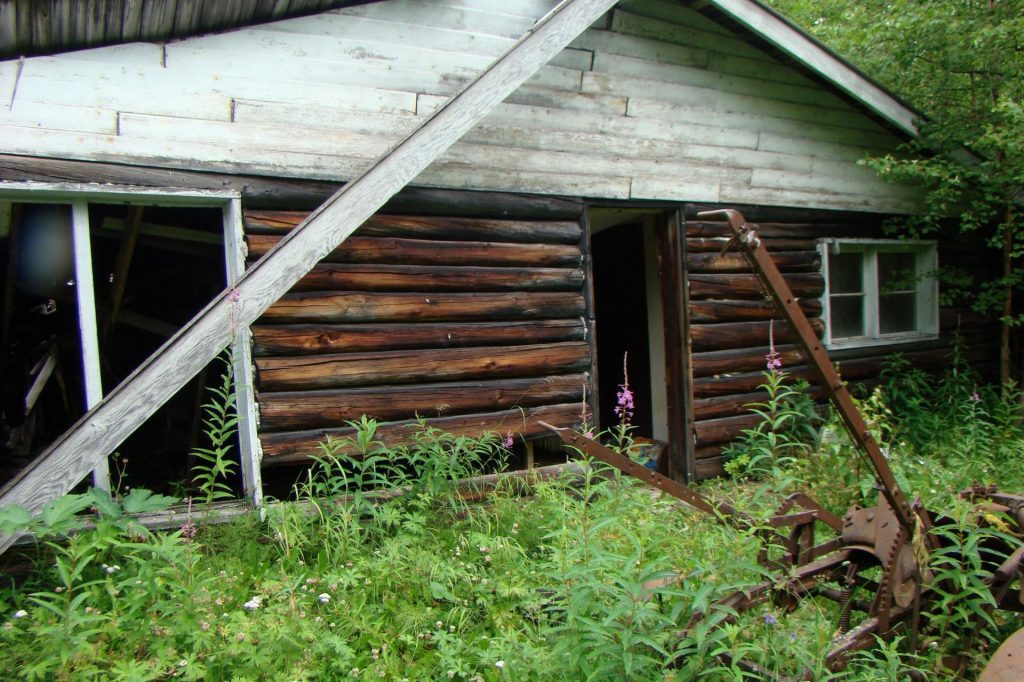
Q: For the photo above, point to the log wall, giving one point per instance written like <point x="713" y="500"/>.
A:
<point x="730" y="324"/>
<point x="477" y="324"/>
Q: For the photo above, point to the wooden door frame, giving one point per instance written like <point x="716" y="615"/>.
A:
<point x="678" y="372"/>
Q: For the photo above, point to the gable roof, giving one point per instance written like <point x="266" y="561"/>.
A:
<point x="30" y="27"/>
<point x="785" y="39"/>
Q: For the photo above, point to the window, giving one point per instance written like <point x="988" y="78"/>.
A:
<point x="95" y="278"/>
<point x="879" y="291"/>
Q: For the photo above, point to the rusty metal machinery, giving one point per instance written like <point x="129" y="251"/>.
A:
<point x="893" y="535"/>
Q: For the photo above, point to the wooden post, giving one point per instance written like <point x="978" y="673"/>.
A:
<point x="241" y="356"/>
<point x="87" y="324"/>
<point x="72" y="455"/>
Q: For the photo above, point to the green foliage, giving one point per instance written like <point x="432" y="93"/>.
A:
<point x="379" y="569"/>
<point x="215" y="464"/>
<point x="787" y="429"/>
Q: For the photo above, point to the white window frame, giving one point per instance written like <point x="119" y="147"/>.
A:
<point x="926" y="287"/>
<point x="79" y="196"/>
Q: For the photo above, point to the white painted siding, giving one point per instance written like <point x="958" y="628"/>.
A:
<point x="654" y="102"/>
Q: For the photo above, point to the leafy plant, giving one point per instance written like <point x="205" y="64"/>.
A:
<point x="786" y="429"/>
<point x="215" y="465"/>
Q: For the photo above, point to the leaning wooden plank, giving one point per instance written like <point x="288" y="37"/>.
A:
<point x="76" y="452"/>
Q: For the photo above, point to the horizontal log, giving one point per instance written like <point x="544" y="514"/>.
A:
<point x="785" y="261"/>
<point x="704" y="244"/>
<point x="724" y="430"/>
<point x="301" y="339"/>
<point x="425" y="227"/>
<point x="710" y="467"/>
<point x="711" y="363"/>
<point x="303" y="410"/>
<point x="409" y="307"/>
<point x="429" y="278"/>
<point x="850" y="369"/>
<point x="735" y="405"/>
<point x="804" y="285"/>
<point x="299" y="446"/>
<point x="401" y="367"/>
<point x="738" y="311"/>
<point x="705" y="337"/>
<point x="768" y="230"/>
<point x="395" y="250"/>
<point x="726" y="405"/>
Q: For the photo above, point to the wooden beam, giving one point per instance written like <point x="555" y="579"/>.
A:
<point x="101" y="430"/>
<point x="250" y="450"/>
<point x="87" y="324"/>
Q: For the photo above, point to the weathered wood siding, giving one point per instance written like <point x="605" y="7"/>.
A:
<point x="474" y="323"/>
<point x="654" y="102"/>
<point x="730" y="322"/>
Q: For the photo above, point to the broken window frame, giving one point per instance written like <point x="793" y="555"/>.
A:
<point x="79" y="197"/>
<point x="925" y="288"/>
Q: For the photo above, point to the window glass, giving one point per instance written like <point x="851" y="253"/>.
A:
<point x="896" y="272"/>
<point x="897" y="313"/>
<point x="847" y="316"/>
<point x="846" y="273"/>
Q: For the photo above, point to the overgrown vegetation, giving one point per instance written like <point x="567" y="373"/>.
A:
<point x="381" y="570"/>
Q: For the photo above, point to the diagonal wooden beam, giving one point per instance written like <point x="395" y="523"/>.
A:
<point x="106" y="426"/>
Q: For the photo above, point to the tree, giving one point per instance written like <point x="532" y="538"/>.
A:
<point x="961" y="64"/>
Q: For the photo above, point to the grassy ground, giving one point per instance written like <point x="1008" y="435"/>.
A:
<point x="548" y="586"/>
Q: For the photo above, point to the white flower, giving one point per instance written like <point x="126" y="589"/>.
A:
<point x="500" y="665"/>
<point x="111" y="569"/>
<point x="252" y="604"/>
<point x="20" y="613"/>
<point x="323" y="597"/>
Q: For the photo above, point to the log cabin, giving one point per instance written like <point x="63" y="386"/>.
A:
<point x="515" y="226"/>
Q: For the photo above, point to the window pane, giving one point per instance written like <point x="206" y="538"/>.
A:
<point x="896" y="272"/>
<point x="897" y="313"/>
<point x="845" y="273"/>
<point x="847" y="316"/>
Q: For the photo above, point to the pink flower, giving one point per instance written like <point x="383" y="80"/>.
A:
<point x="508" y="441"/>
<point x="773" y="361"/>
<point x="624" y="406"/>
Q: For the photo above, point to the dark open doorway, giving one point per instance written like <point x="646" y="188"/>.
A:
<point x="621" y="311"/>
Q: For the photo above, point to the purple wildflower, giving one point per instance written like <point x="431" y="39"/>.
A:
<point x="773" y="361"/>
<point x="624" y="404"/>
<point x="508" y="441"/>
<point x="975" y="397"/>
<point x="769" y="619"/>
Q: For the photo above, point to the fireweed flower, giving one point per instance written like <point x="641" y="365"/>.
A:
<point x="624" y="398"/>
<point x="507" y="441"/>
<point x="773" y="361"/>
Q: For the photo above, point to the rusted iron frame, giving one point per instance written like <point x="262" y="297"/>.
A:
<point x="817" y="359"/>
